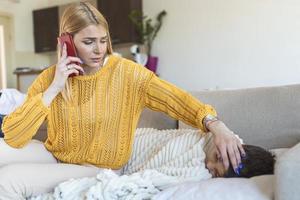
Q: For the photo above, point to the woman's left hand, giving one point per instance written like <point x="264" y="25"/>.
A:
<point x="228" y="145"/>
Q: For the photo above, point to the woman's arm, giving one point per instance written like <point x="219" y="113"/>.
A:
<point x="22" y="124"/>
<point x="165" y="97"/>
<point x="50" y="94"/>
<point x="64" y="67"/>
<point x="175" y="102"/>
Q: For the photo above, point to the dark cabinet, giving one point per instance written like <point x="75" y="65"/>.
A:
<point x="116" y="13"/>
<point x="45" y="22"/>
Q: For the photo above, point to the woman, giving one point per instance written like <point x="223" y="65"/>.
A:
<point x="91" y="117"/>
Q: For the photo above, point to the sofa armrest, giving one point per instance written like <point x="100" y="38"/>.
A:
<point x="287" y="173"/>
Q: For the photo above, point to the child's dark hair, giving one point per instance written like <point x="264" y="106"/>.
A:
<point x="257" y="161"/>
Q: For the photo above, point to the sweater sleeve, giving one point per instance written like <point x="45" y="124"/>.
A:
<point x="21" y="125"/>
<point x="177" y="103"/>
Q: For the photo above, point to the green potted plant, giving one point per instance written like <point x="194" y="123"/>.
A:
<point x="147" y="32"/>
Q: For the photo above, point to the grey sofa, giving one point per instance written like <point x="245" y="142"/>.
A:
<point x="265" y="116"/>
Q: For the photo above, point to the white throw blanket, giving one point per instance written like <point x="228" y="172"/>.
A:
<point x="10" y="99"/>
<point x="174" y="152"/>
<point x="160" y="159"/>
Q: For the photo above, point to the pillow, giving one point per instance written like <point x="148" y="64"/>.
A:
<point x="182" y="125"/>
<point x="278" y="152"/>
<point x="255" y="188"/>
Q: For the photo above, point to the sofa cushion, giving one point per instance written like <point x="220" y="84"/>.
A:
<point x="264" y="116"/>
<point x="278" y="152"/>
<point x="154" y="119"/>
<point x="255" y="188"/>
<point x="287" y="172"/>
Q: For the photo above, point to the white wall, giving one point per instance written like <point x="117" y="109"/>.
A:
<point x="228" y="44"/>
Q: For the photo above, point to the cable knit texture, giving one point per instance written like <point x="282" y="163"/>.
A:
<point x="97" y="126"/>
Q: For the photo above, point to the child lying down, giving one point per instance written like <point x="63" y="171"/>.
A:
<point x="187" y="153"/>
<point x="161" y="159"/>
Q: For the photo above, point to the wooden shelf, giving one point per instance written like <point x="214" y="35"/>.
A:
<point x="25" y="78"/>
<point x="32" y="71"/>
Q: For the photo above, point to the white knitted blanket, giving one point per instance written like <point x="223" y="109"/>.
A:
<point x="160" y="159"/>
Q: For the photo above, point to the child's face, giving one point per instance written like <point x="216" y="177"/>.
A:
<point x="214" y="164"/>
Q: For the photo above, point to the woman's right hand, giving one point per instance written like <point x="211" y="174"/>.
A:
<point x="64" y="67"/>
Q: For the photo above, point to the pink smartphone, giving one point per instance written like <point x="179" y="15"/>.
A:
<point x="71" y="50"/>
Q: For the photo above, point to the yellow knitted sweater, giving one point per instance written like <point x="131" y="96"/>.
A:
<point x="98" y="126"/>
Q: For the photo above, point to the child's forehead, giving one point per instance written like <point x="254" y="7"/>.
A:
<point x="209" y="145"/>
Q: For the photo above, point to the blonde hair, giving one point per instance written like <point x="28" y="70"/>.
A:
<point x="75" y="18"/>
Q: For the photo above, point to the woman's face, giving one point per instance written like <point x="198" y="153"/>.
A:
<point x="91" y="45"/>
